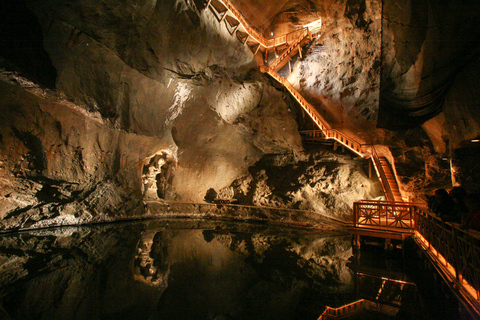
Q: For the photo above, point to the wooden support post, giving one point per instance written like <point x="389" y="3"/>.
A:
<point x="235" y="28"/>
<point x="224" y="16"/>
<point x="256" y="50"/>
<point x="300" y="51"/>
<point x="266" y="55"/>
<point x="370" y="169"/>
<point x="246" y="39"/>
<point x="289" y="65"/>
<point x="388" y="244"/>
<point x="335" y="145"/>
<point x="357" y="241"/>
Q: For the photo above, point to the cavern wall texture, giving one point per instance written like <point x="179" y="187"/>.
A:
<point x="106" y="103"/>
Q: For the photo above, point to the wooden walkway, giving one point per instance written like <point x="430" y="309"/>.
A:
<point x="454" y="252"/>
<point x="286" y="47"/>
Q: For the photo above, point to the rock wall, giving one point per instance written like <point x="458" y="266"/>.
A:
<point x="133" y="88"/>
<point x="157" y="99"/>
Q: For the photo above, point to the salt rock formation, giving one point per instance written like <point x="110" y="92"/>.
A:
<point x="136" y="82"/>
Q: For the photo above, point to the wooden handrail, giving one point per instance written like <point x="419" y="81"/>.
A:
<point x="383" y="177"/>
<point x="312" y="112"/>
<point x="305" y="33"/>
<point x="267" y="44"/>
<point x="454" y="252"/>
<point x="296" y="38"/>
<point x="385" y="215"/>
<point x="459" y="247"/>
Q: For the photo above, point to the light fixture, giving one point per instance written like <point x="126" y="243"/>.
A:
<point x="475" y="140"/>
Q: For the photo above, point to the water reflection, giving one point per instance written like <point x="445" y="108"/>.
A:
<point x="181" y="269"/>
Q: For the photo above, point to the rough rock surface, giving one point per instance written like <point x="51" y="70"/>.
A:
<point x="321" y="181"/>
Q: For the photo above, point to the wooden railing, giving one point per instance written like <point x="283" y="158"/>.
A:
<point x="312" y="112"/>
<point x="385" y="215"/>
<point x="457" y="249"/>
<point x="249" y="30"/>
<point x="293" y="39"/>
<point x="302" y="35"/>
<point x="252" y="33"/>
<point x="455" y="252"/>
<point x="382" y="176"/>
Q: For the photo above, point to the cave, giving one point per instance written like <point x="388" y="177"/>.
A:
<point x="282" y="113"/>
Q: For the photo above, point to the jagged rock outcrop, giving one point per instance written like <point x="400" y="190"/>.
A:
<point x="324" y="182"/>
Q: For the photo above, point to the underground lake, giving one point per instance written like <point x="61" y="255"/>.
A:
<point x="207" y="269"/>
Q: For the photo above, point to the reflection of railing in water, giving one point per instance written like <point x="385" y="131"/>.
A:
<point x="343" y="311"/>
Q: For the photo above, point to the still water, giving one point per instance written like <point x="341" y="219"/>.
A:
<point x="194" y="269"/>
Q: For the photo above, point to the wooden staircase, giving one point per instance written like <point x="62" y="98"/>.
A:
<point x="391" y="179"/>
<point x="289" y="45"/>
<point x="291" y="51"/>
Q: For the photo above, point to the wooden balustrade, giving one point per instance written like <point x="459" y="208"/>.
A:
<point x="385" y="215"/>
<point x="459" y="249"/>
<point x="312" y="112"/>
<point x="297" y="41"/>
<point x="293" y="39"/>
<point x="382" y="176"/>
<point x="252" y="33"/>
<point x="455" y="252"/>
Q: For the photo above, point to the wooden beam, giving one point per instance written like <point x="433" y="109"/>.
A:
<point x="300" y="51"/>
<point x="224" y="16"/>
<point x="208" y="3"/>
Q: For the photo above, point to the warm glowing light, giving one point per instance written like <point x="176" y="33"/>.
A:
<point x="475" y="140"/>
<point x="314" y="26"/>
<point x="449" y="268"/>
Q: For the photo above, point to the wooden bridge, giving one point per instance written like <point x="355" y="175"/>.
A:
<point x="453" y="251"/>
